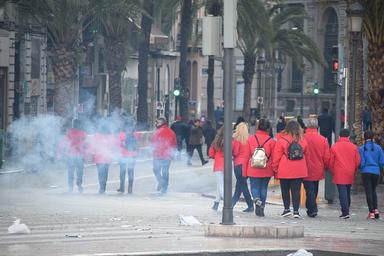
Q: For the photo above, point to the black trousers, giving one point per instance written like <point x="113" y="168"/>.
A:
<point x="288" y="187"/>
<point x="370" y="182"/>
<point x="192" y="148"/>
<point x="311" y="191"/>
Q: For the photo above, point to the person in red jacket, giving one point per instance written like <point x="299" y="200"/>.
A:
<point x="164" y="144"/>
<point x="259" y="177"/>
<point x="240" y="153"/>
<point x="289" y="162"/>
<point x="317" y="160"/>
<point x="216" y="152"/>
<point x="128" y="152"/>
<point x="344" y="162"/>
<point x="73" y="147"/>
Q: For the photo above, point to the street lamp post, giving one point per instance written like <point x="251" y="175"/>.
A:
<point x="260" y="64"/>
<point x="354" y="13"/>
<point x="158" y="66"/>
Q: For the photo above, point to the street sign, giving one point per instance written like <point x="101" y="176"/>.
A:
<point x="260" y="100"/>
<point x="159" y="105"/>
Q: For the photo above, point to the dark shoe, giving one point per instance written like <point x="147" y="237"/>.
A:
<point x="120" y="190"/>
<point x="215" y="206"/>
<point x="311" y="214"/>
<point x="262" y="211"/>
<point x="377" y="213"/>
<point x="249" y="209"/>
<point x="158" y="187"/>
<point x="346" y="216"/>
<point x="205" y="162"/>
<point x="258" y="204"/>
<point x="296" y="215"/>
<point x="189" y="163"/>
<point x="101" y="191"/>
<point x="286" y="213"/>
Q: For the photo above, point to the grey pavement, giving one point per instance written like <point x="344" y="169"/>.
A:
<point x="148" y="224"/>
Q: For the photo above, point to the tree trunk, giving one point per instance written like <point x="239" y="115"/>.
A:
<point x="376" y="88"/>
<point x="186" y="20"/>
<point x="64" y="70"/>
<point x="359" y="94"/>
<point x="248" y="73"/>
<point x="116" y="58"/>
<point x="210" y="88"/>
<point x="146" y="24"/>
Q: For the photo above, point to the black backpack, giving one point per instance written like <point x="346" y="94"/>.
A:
<point x="295" y="150"/>
<point x="130" y="142"/>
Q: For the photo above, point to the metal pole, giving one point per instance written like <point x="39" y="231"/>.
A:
<point x="353" y="82"/>
<point x="259" y="90"/>
<point x="158" y="91"/>
<point x="338" y="106"/>
<point x="228" y="81"/>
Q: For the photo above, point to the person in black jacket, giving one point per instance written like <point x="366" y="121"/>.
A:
<point x="180" y="129"/>
<point x="209" y="134"/>
<point x="326" y="125"/>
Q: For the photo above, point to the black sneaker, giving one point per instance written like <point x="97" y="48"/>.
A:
<point x="249" y="209"/>
<point x="258" y="204"/>
<point x="215" y="206"/>
<point x="296" y="215"/>
<point x="342" y="216"/>
<point x="286" y="213"/>
<point x="120" y="190"/>
<point x="205" y="162"/>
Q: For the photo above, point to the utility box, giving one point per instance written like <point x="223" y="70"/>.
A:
<point x="212" y="35"/>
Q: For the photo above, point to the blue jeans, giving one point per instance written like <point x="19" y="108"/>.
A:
<point x="259" y="188"/>
<point x="127" y="165"/>
<point x="102" y="171"/>
<point x="241" y="187"/>
<point x="161" y="171"/>
<point x="344" y="197"/>
<point x="311" y="191"/>
<point x="75" y="164"/>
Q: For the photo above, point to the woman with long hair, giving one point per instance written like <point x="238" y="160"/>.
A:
<point x="240" y="152"/>
<point x="216" y="152"/>
<point x="289" y="163"/>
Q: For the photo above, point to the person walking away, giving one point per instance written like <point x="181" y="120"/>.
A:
<point x="209" y="134"/>
<point x="317" y="160"/>
<point x="367" y="119"/>
<point x="128" y="149"/>
<point x="216" y="152"/>
<point x="280" y="126"/>
<point x="218" y="114"/>
<point x="290" y="164"/>
<point x="163" y="142"/>
<point x="196" y="142"/>
<point x="240" y="153"/>
<point x="259" y="168"/>
<point x="344" y="161"/>
<point x="180" y="129"/>
<point x="73" y="147"/>
<point x="371" y="160"/>
<point x="326" y="125"/>
<point x="103" y="146"/>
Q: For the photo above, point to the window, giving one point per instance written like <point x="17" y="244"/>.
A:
<point x="290" y="105"/>
<point x="35" y="55"/>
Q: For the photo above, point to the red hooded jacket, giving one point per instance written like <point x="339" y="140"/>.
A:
<point x="218" y="156"/>
<point x="73" y="144"/>
<point x="262" y="136"/>
<point x="285" y="168"/>
<point x="240" y="153"/>
<point x="104" y="148"/>
<point x="163" y="142"/>
<point x="345" y="160"/>
<point x="318" y="154"/>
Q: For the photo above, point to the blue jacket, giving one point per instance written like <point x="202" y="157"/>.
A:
<point x="371" y="160"/>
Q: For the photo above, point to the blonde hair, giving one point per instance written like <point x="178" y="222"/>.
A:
<point x="241" y="133"/>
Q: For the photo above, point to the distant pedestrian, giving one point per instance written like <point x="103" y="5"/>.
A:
<point x="180" y="129"/>
<point x="196" y="142"/>
<point x="218" y="114"/>
<point x="128" y="143"/>
<point x="372" y="159"/>
<point x="367" y="119"/>
<point x="73" y="148"/>
<point x="209" y="134"/>
<point x="344" y="162"/>
<point x="290" y="164"/>
<point x="216" y="152"/>
<point x="317" y="160"/>
<point x="326" y="125"/>
<point x="260" y="174"/>
<point x="163" y="142"/>
<point x="240" y="153"/>
<point x="301" y="122"/>
<point x="239" y="120"/>
<point x="280" y="126"/>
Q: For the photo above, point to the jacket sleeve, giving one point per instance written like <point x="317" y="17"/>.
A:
<point x="327" y="154"/>
<point x="381" y="158"/>
<point x="331" y="164"/>
<point x="362" y="158"/>
<point x="278" y="152"/>
<point x="211" y="152"/>
<point x="235" y="148"/>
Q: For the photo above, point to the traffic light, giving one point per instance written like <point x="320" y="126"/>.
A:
<point x="176" y="92"/>
<point x="316" y="89"/>
<point x="335" y="66"/>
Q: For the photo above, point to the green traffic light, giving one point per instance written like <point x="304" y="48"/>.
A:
<point x="176" y="92"/>
<point x="316" y="91"/>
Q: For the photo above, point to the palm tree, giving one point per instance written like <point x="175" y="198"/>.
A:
<point x="263" y="28"/>
<point x="64" y="21"/>
<point x="115" y="18"/>
<point x="373" y="29"/>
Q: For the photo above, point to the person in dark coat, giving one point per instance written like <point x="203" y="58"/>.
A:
<point x="280" y="126"/>
<point x="180" y="129"/>
<point x="326" y="125"/>
<point x="209" y="134"/>
<point x="367" y="119"/>
<point x="196" y="142"/>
